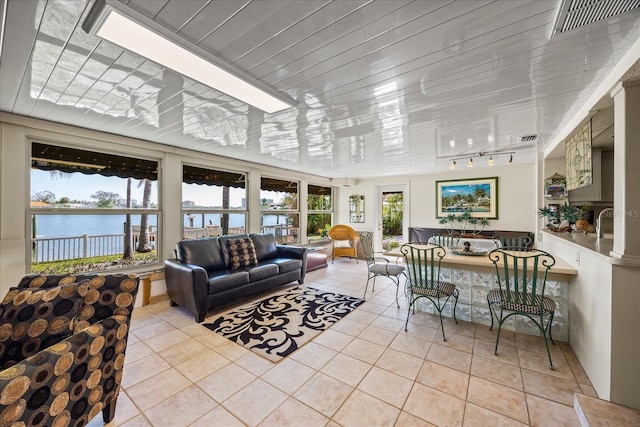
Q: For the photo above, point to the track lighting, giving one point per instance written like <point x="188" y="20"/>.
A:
<point x="490" y="162"/>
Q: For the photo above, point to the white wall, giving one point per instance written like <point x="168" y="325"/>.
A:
<point x="516" y="197"/>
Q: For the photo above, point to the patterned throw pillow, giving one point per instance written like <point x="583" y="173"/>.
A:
<point x="242" y="253"/>
<point x="33" y="319"/>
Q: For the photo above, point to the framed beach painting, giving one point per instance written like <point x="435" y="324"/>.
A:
<point x="478" y="196"/>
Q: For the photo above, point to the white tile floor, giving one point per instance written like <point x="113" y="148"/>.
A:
<point x="364" y="371"/>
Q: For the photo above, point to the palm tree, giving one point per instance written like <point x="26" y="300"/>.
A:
<point x="128" y="250"/>
<point x="143" y="239"/>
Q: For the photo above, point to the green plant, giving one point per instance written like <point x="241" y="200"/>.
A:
<point x="461" y="223"/>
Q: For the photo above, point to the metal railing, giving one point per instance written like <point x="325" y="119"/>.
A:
<point x="50" y="249"/>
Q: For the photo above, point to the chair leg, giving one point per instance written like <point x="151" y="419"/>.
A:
<point x="408" y="314"/>
<point x="364" y="297"/>
<point x="500" y="321"/>
<point x="455" y="305"/>
<point x="109" y="410"/>
<point x="442" y="326"/>
<point x="397" y="280"/>
<point x="546" y="343"/>
<point x="490" y="314"/>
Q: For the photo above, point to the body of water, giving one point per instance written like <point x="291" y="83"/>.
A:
<point x="77" y="225"/>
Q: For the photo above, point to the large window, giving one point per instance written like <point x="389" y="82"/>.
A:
<point x="279" y="209"/>
<point x="91" y="211"/>
<point x="319" y="210"/>
<point x="214" y="203"/>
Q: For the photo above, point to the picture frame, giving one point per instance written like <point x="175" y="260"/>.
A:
<point x="479" y="196"/>
<point x="356" y="208"/>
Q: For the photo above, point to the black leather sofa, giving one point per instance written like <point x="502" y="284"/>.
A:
<point x="210" y="273"/>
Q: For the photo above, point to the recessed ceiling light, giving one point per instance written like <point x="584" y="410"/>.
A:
<point x="119" y="24"/>
<point x="452" y="143"/>
<point x="470" y="141"/>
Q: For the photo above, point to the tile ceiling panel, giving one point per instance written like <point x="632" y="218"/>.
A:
<point x="381" y="87"/>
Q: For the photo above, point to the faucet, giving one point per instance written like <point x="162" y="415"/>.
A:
<point x="599" y="232"/>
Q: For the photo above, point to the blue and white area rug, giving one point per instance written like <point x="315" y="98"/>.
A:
<point x="280" y="324"/>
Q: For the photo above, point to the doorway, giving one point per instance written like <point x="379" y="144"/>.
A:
<point x="392" y="218"/>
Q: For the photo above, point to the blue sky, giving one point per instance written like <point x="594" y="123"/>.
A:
<point x="78" y="186"/>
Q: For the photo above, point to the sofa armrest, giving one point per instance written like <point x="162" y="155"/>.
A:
<point x="295" y="252"/>
<point x="69" y="382"/>
<point x="187" y="286"/>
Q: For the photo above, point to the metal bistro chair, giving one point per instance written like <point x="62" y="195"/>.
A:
<point x="423" y="264"/>
<point x="378" y="266"/>
<point x="521" y="242"/>
<point x="522" y="277"/>
<point x="445" y="240"/>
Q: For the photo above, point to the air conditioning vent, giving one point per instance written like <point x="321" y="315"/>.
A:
<point x="577" y="13"/>
<point x="528" y="138"/>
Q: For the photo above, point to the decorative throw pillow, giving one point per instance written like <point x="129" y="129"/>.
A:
<point x="113" y="294"/>
<point x="33" y="319"/>
<point x="342" y="243"/>
<point x="242" y="253"/>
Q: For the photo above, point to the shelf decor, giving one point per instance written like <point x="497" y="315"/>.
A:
<point x="555" y="187"/>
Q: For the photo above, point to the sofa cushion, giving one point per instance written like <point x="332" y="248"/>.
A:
<point x="205" y="253"/>
<point x="265" y="244"/>
<point x="262" y="271"/>
<point x="223" y="280"/>
<point x="287" y="264"/>
<point x="242" y="253"/>
<point x="34" y="319"/>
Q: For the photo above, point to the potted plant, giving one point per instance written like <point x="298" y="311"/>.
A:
<point x="582" y="215"/>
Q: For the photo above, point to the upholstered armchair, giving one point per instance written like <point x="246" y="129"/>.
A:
<point x="344" y="241"/>
<point x="73" y="331"/>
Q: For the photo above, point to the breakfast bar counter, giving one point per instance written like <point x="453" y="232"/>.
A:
<point x="475" y="276"/>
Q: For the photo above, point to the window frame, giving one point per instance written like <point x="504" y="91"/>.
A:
<point x="30" y="211"/>
<point x="281" y="239"/>
<point x="329" y="211"/>
<point x="184" y="211"/>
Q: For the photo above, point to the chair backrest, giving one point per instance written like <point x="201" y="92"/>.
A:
<point x="423" y="263"/>
<point x="342" y="232"/>
<point x="366" y="241"/>
<point x="445" y="240"/>
<point x="522" y="242"/>
<point x="522" y="273"/>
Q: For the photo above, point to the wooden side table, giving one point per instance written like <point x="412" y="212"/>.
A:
<point x="316" y="257"/>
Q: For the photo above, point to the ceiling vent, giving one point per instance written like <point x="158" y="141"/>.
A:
<point x="577" y="13"/>
<point x="528" y="138"/>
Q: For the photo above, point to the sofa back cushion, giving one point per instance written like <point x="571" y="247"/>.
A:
<point x="242" y="253"/>
<point x="109" y="295"/>
<point x="265" y="244"/>
<point x="205" y="253"/>
<point x="33" y="319"/>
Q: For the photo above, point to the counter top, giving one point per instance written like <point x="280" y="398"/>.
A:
<point x="560" y="271"/>
<point x="589" y="241"/>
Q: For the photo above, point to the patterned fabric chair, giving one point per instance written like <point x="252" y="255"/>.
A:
<point x="69" y="378"/>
